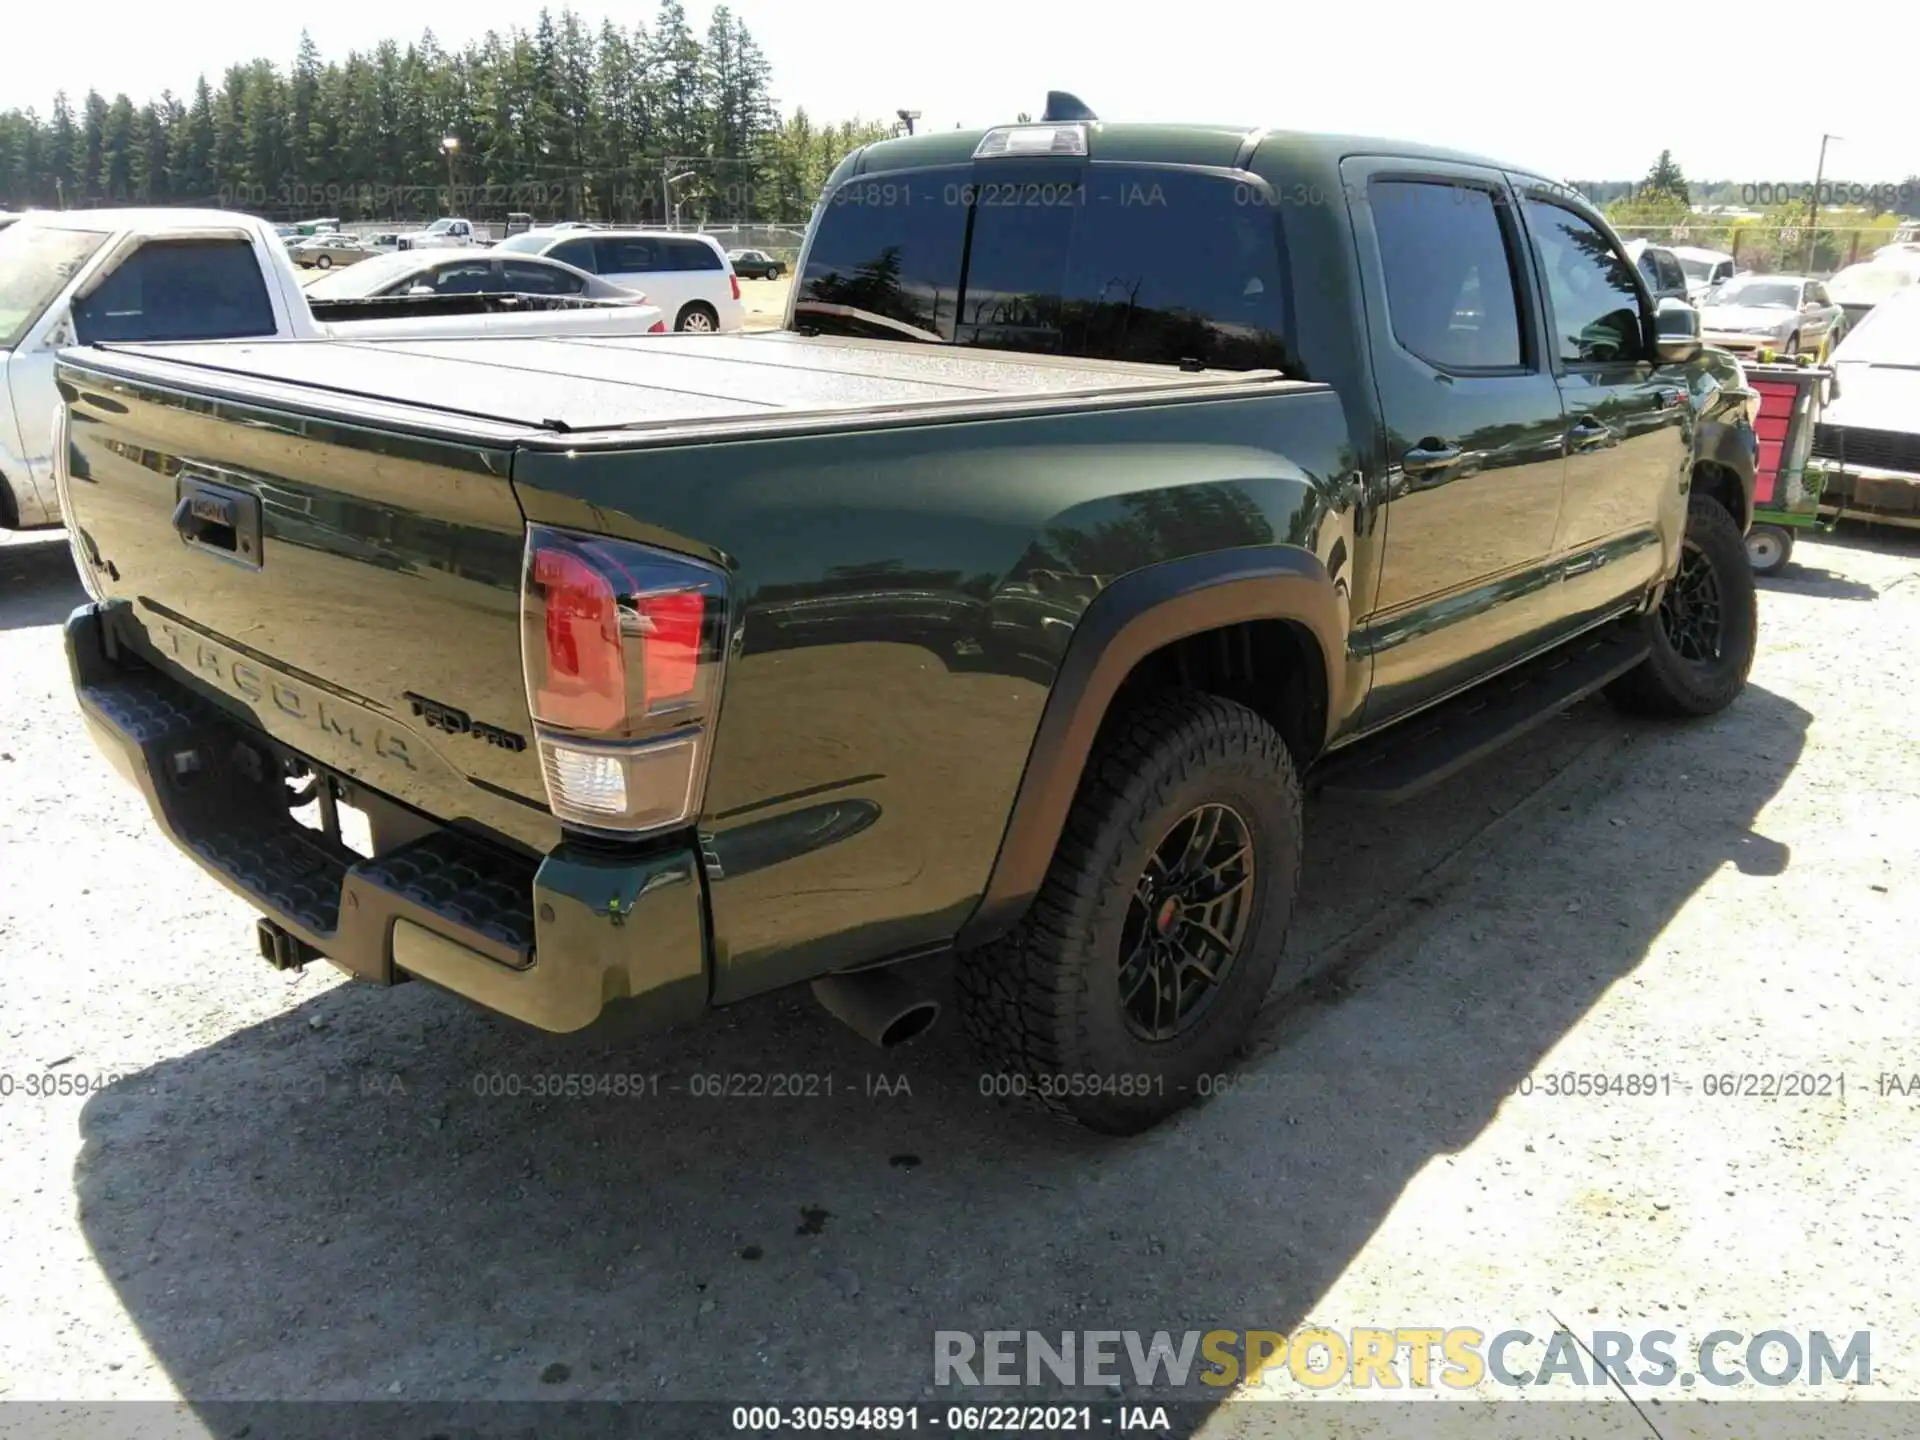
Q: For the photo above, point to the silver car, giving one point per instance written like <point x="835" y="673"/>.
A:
<point x="1787" y="314"/>
<point x="464" y="272"/>
<point x="324" y="252"/>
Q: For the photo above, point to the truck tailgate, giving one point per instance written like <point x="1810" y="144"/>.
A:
<point x="353" y="590"/>
<point x="363" y="606"/>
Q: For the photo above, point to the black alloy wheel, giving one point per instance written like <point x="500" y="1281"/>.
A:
<point x="1690" y="609"/>
<point x="1184" y="929"/>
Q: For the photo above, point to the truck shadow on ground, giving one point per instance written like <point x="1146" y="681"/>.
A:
<point x="365" y="1197"/>
<point x="39" y="582"/>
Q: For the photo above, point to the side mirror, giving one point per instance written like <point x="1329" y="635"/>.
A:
<point x="62" y="332"/>
<point x="1676" y="332"/>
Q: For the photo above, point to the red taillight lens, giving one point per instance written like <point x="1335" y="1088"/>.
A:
<point x="623" y="647"/>
<point x="736" y="284"/>
<point x="672" y="662"/>
<point x="583" y="683"/>
<point x="659" y="327"/>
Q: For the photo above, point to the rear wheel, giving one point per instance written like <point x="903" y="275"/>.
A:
<point x="699" y="317"/>
<point x="1769" y="547"/>
<point x="1702" y="634"/>
<point x="324" y="262"/>
<point x="1136" y="975"/>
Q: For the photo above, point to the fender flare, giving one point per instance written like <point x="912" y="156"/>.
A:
<point x="1129" y="620"/>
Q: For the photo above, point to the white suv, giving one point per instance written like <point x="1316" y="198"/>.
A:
<point x="686" y="276"/>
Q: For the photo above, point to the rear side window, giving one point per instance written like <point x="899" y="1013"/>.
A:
<point x="1672" y="277"/>
<point x="1104" y="262"/>
<point x="694" y="255"/>
<point x="577" y="253"/>
<point x="1596" y="308"/>
<point x="469" y="277"/>
<point x="525" y="279"/>
<point x="1446" y="257"/>
<point x="629" y="255"/>
<point x="179" y="290"/>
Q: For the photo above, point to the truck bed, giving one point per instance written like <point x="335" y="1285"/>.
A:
<point x="506" y="389"/>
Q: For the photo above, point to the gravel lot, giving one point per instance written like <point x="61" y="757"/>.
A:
<point x="297" y="1193"/>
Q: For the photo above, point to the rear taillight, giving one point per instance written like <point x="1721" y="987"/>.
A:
<point x="659" y="327"/>
<point x="734" y="280"/>
<point x="623" y="647"/>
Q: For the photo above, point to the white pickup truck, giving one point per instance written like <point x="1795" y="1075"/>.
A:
<point x="94" y="276"/>
<point x="444" y="233"/>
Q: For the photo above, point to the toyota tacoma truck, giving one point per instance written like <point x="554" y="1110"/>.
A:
<point x="993" y="615"/>
<point x="159" y="274"/>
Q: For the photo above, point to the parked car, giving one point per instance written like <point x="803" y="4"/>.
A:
<point x="1868" y="441"/>
<point x="1858" y="288"/>
<point x="756" y="265"/>
<point x="485" y="272"/>
<point x="1086" y="625"/>
<point x="1787" y="314"/>
<point x="324" y="252"/>
<point x="1704" y="269"/>
<point x="1660" y="268"/>
<point x="687" y="276"/>
<point x="134" y="276"/>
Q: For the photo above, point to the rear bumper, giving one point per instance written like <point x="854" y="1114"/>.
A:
<point x="552" y="943"/>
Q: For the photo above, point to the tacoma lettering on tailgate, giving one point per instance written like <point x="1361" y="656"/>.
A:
<point x="252" y="683"/>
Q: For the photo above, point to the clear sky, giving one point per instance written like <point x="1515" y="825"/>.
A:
<point x="1580" y="90"/>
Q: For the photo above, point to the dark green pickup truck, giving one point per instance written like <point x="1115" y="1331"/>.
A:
<point x="1108" y="484"/>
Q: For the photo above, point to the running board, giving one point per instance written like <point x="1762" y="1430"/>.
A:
<point x="1434" y="745"/>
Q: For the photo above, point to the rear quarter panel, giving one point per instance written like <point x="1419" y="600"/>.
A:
<point x="902" y="599"/>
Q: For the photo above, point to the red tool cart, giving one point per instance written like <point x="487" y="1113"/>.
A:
<point x="1786" y="495"/>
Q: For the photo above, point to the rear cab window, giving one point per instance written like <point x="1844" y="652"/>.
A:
<point x="179" y="290"/>
<point x="1162" y="264"/>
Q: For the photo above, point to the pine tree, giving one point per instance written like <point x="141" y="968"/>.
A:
<point x="1665" y="179"/>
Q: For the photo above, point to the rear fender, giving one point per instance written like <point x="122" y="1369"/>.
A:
<point x="1138" y="614"/>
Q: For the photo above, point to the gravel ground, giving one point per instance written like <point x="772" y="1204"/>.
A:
<point x="297" y="1193"/>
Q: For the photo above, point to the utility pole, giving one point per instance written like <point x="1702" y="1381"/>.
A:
<point x="450" y="143"/>
<point x="1813" y="201"/>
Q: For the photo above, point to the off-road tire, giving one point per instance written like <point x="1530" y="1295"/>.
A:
<point x="1042" y="1005"/>
<point x="1667" y="683"/>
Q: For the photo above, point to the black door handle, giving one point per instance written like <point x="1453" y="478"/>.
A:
<point x="1424" y="459"/>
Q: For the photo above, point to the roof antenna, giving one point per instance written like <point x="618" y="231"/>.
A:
<point x="1063" y="107"/>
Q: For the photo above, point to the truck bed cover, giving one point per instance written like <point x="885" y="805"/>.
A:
<point x="597" y="390"/>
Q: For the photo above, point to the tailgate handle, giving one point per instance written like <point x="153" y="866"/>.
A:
<point x="219" y="518"/>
